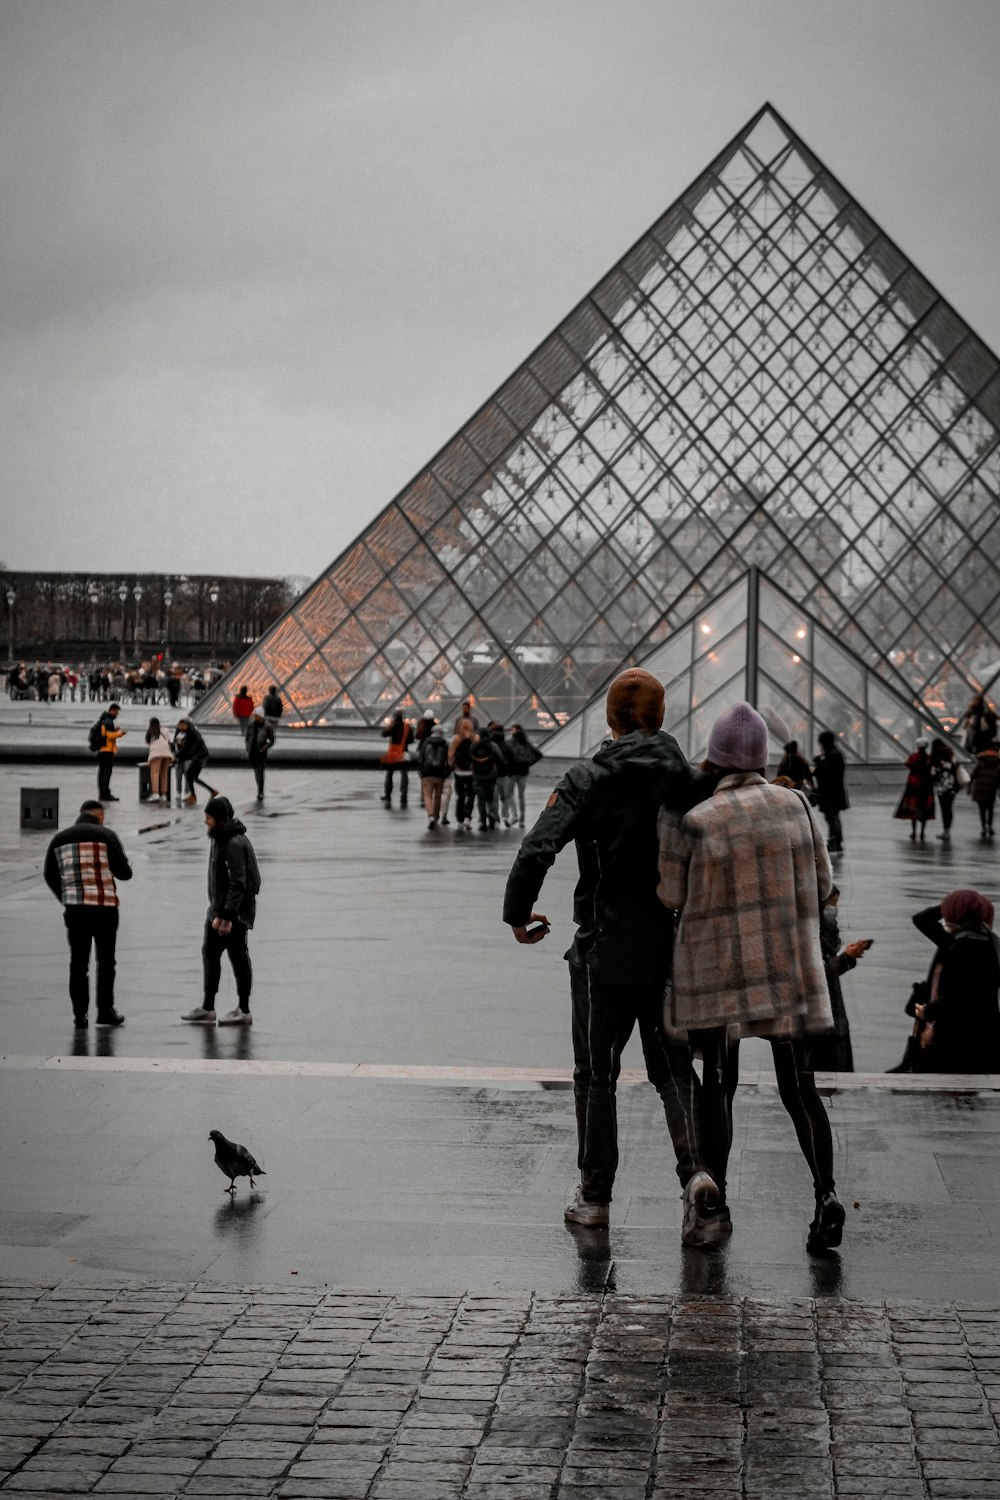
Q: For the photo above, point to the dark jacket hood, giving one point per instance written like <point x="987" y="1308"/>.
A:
<point x="640" y="754"/>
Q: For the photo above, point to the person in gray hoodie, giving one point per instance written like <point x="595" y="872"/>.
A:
<point x="619" y="960"/>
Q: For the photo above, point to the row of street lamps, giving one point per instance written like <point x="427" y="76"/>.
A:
<point x="137" y="591"/>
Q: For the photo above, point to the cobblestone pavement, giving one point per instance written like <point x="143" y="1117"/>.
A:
<point x="169" y="1389"/>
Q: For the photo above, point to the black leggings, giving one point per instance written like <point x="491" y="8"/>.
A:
<point x="796" y="1088"/>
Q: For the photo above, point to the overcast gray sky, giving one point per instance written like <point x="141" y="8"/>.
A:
<point x="261" y="258"/>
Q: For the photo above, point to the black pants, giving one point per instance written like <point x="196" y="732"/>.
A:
<point x="796" y="1088"/>
<point x="946" y="803"/>
<point x="105" y="765"/>
<point x="86" y="925"/>
<point x="258" y="762"/>
<point x="213" y="945"/>
<point x="484" y="788"/>
<point x="465" y="799"/>
<point x="192" y="775"/>
<point x="604" y="1017"/>
<point x="404" y="780"/>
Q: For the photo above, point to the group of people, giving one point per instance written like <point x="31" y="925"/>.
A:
<point x="186" y="749"/>
<point x="485" y="768"/>
<point x="934" y="774"/>
<point x="705" y="886"/>
<point x="83" y="864"/>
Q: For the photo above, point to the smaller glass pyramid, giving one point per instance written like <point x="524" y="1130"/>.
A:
<point x="753" y="642"/>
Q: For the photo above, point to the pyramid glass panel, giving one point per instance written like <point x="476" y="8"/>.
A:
<point x="763" y="381"/>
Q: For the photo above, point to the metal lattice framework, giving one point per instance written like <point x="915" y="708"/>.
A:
<point x="764" y="379"/>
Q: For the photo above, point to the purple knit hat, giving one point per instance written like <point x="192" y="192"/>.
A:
<point x="738" y="741"/>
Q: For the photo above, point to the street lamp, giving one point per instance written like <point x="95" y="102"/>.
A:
<point x="213" y="595"/>
<point x="11" y="596"/>
<point x="94" y="594"/>
<point x="137" y="595"/>
<point x="123" y="595"/>
<point x="168" y="599"/>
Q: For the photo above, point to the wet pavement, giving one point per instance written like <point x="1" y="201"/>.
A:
<point x="398" y="1309"/>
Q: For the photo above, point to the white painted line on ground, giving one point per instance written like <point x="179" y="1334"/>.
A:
<point x="908" y="1083"/>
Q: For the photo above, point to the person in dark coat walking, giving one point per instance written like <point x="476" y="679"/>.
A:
<point x="259" y="739"/>
<point x="82" y="864"/>
<point x="961" y="1013"/>
<point x="829" y="768"/>
<point x="944" y="775"/>
<point x="522" y="755"/>
<point x="488" y="765"/>
<point x="983" y="781"/>
<point x="795" y="767"/>
<point x="233" y="883"/>
<point x="620" y="956"/>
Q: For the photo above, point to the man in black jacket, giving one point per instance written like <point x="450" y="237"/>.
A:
<point x="620" y="957"/>
<point x="233" y="883"/>
<point x="82" y="864"/>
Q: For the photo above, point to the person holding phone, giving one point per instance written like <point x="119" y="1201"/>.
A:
<point x="619" y="960"/>
<point x="832" y="1052"/>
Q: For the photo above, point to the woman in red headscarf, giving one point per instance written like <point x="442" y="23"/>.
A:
<point x="961" y="1013"/>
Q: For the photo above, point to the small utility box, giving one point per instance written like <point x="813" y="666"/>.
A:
<point x="40" y="807"/>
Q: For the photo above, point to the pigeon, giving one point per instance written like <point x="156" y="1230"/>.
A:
<point x="234" y="1161"/>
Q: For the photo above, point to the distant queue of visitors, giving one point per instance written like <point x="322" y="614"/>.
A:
<point x="481" y="765"/>
<point x="148" y="683"/>
<point x="933" y="772"/>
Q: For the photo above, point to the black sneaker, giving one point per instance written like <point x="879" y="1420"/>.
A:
<point x="110" y="797"/>
<point x="827" y="1228"/>
<point x="80" y="1020"/>
<point x="110" y="1018"/>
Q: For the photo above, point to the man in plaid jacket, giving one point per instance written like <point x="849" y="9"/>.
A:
<point x="82" y="864"/>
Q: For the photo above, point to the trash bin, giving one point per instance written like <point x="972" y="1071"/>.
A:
<point x="40" y="807"/>
<point x="145" y="784"/>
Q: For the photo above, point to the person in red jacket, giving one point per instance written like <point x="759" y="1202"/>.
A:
<point x="243" y="705"/>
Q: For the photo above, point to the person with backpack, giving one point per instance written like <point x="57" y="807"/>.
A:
<point x="233" y="884"/>
<point x="104" y="739"/>
<point x="399" y="732"/>
<point x="460" y="761"/>
<point x="487" y="765"/>
<point x="432" y="763"/>
<point x="521" y="755"/>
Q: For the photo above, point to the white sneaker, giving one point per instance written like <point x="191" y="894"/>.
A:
<point x="200" y="1016"/>
<point x="236" y="1017"/>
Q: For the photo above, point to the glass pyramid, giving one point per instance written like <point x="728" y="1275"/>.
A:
<point x="764" y="379"/>
<point x="754" y="641"/>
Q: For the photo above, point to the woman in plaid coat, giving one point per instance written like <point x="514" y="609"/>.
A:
<point x="747" y="872"/>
